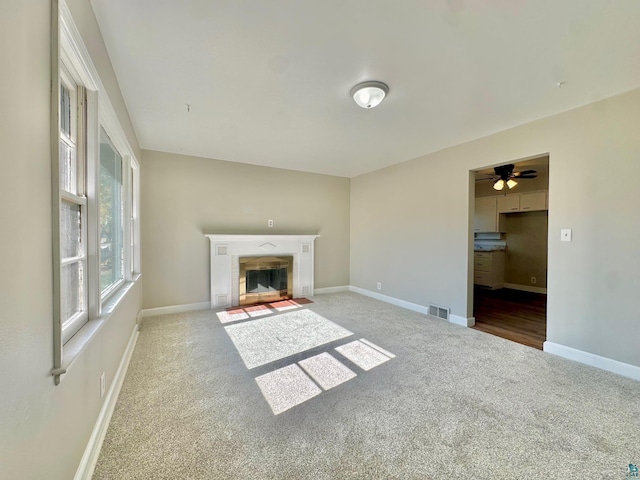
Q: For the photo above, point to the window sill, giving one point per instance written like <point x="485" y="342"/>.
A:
<point x="83" y="337"/>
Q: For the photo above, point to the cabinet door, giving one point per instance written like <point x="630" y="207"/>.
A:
<point x="509" y="203"/>
<point x="482" y="264"/>
<point x="485" y="219"/>
<point x="533" y="201"/>
<point x="482" y="278"/>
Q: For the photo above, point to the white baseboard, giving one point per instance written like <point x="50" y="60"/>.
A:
<point x="604" y="363"/>
<point x="525" y="288"/>
<point x="465" y="322"/>
<point x="322" y="291"/>
<point x="92" y="451"/>
<point x="392" y="300"/>
<point x="152" y="312"/>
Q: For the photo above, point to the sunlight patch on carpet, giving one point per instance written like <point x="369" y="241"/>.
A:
<point x="326" y="370"/>
<point x="286" y="387"/>
<point x="362" y="355"/>
<point x="266" y="340"/>
<point x="232" y="316"/>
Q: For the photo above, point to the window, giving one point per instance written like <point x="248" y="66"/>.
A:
<point x="73" y="207"/>
<point x="111" y="211"/>
<point x="95" y="198"/>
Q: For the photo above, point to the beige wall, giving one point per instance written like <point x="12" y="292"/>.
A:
<point x="527" y="236"/>
<point x="43" y="428"/>
<point x="410" y="224"/>
<point x="185" y="197"/>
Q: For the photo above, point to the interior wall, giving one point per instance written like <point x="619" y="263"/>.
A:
<point x="410" y="224"/>
<point x="185" y="197"/>
<point x="44" y="429"/>
<point x="527" y="237"/>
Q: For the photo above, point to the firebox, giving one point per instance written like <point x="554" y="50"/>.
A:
<point x="265" y="279"/>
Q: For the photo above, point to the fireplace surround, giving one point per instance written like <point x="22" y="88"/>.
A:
<point x="227" y="250"/>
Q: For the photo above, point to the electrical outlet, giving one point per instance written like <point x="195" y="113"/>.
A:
<point x="379" y="286"/>
<point x="269" y="223"/>
<point x="534" y="280"/>
<point x="102" y="385"/>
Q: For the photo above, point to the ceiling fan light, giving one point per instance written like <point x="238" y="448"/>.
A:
<point x="498" y="184"/>
<point x="511" y="183"/>
<point x="369" y="94"/>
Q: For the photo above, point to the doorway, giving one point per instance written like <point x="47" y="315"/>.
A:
<point x="510" y="245"/>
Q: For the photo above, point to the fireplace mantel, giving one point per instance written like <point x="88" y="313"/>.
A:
<point x="226" y="251"/>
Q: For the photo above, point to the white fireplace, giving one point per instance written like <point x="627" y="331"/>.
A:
<point x="226" y="251"/>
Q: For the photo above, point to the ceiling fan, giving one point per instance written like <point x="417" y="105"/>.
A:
<point x="504" y="175"/>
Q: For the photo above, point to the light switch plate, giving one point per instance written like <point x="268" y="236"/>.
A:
<point x="565" y="234"/>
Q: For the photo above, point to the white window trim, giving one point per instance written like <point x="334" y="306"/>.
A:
<point x="107" y="294"/>
<point x="76" y="140"/>
<point x="68" y="48"/>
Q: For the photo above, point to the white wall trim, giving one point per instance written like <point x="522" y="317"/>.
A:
<point x="322" y="291"/>
<point x="604" y="363"/>
<point x="392" y="300"/>
<point x="525" y="288"/>
<point x="465" y="322"/>
<point x="92" y="451"/>
<point x="153" y="312"/>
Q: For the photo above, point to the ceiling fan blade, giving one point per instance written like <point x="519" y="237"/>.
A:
<point x="524" y="172"/>
<point x="535" y="175"/>
<point x="482" y="179"/>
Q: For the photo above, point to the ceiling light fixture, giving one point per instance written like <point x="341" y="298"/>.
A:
<point x="500" y="183"/>
<point x="369" y="94"/>
<point x="504" y="175"/>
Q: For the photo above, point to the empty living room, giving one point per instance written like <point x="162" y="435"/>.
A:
<point x="250" y="239"/>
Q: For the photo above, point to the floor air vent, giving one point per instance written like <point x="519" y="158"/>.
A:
<point x="440" y="312"/>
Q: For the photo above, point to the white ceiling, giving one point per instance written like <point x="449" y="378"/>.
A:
<point x="268" y="81"/>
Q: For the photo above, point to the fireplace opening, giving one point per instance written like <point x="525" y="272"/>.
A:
<point x="265" y="279"/>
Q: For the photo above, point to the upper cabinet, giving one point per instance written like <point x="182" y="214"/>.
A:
<point x="509" y="203"/>
<point x="489" y="210"/>
<point x="486" y="217"/>
<point x="533" y="201"/>
<point x="522" y="202"/>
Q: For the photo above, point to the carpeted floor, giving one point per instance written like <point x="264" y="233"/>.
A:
<point x="447" y="402"/>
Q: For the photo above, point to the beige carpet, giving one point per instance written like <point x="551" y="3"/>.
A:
<point x="443" y="402"/>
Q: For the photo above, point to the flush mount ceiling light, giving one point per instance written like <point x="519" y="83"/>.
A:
<point x="369" y="94"/>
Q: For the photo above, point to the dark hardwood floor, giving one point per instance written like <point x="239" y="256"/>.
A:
<point x="517" y="316"/>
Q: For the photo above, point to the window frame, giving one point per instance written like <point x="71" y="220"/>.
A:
<point x="108" y="292"/>
<point x="71" y="65"/>
<point x="75" y="140"/>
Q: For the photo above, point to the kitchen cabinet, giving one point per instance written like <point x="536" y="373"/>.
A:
<point x="533" y="201"/>
<point x="485" y="218"/>
<point x="488" y="269"/>
<point x="509" y="203"/>
<point x="522" y="202"/>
